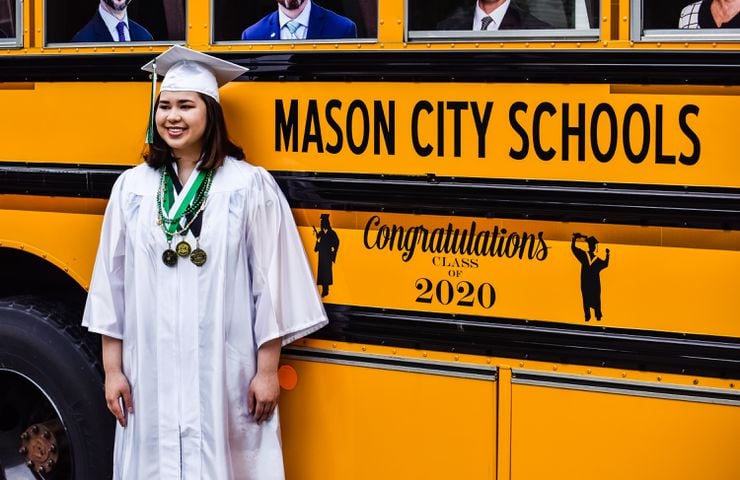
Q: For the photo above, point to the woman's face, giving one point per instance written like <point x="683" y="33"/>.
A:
<point x="181" y="122"/>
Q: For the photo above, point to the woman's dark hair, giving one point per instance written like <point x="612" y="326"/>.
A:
<point x="216" y="143"/>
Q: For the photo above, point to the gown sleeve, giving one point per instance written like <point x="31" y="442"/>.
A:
<point x="286" y="301"/>
<point x="104" y="309"/>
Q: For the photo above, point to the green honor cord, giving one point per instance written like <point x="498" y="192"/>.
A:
<point x="172" y="225"/>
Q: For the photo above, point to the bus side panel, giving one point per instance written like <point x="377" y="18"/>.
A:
<point x="586" y="434"/>
<point x="343" y="422"/>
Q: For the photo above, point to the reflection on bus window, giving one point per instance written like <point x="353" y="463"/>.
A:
<point x="492" y="15"/>
<point x="711" y="14"/>
<point x="292" y="20"/>
<point x="690" y="14"/>
<point x="102" y="21"/>
<point x="7" y="18"/>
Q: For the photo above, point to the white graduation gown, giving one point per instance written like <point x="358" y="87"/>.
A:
<point x="190" y="334"/>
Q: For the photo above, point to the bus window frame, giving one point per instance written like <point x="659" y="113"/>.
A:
<point x="153" y="43"/>
<point x="17" y="41"/>
<point x="537" y="35"/>
<point x="212" y="35"/>
<point x="639" y="34"/>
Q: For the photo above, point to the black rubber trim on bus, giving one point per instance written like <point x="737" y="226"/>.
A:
<point x="628" y="387"/>
<point x="393" y="363"/>
<point x="594" y="345"/>
<point x="670" y="67"/>
<point x="654" y="205"/>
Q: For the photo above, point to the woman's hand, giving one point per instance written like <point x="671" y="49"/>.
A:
<point x="262" y="396"/>
<point x="117" y="388"/>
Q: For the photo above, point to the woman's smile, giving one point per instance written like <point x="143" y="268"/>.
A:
<point x="181" y="122"/>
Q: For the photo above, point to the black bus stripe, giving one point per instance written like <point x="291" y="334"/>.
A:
<point x="635" y="66"/>
<point x="653" y="205"/>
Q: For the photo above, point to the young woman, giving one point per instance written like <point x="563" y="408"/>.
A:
<point x="200" y="278"/>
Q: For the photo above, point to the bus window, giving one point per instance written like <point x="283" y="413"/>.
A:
<point x="9" y="18"/>
<point x="103" y="21"/>
<point x="270" y="20"/>
<point x="512" y="18"/>
<point x="686" y="19"/>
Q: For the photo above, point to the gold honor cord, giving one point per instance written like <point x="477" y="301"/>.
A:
<point x="192" y="205"/>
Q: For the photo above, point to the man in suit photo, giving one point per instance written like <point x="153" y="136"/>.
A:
<point x="491" y="15"/>
<point x="110" y="23"/>
<point x="301" y="20"/>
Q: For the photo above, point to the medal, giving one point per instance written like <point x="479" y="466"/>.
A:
<point x="198" y="257"/>
<point x="183" y="248"/>
<point x="169" y="257"/>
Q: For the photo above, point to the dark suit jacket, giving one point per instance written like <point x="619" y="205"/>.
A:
<point x="515" y="18"/>
<point x="323" y="24"/>
<point x="96" y="31"/>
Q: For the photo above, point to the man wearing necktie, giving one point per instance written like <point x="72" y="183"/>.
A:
<point x="110" y="23"/>
<point x="491" y="15"/>
<point x="301" y="20"/>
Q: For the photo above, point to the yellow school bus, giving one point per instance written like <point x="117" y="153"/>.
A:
<point x="536" y="230"/>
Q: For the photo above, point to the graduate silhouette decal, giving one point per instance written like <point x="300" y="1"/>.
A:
<point x="327" y="244"/>
<point x="591" y="267"/>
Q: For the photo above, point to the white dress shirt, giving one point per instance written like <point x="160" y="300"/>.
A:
<point x="111" y="22"/>
<point x="302" y="31"/>
<point x="497" y="16"/>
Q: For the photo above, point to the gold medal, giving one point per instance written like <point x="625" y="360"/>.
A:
<point x="198" y="257"/>
<point x="169" y="257"/>
<point x="183" y="248"/>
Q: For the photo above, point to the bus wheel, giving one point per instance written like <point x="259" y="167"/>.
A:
<point x="53" y="418"/>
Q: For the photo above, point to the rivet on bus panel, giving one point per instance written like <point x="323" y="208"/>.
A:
<point x="477" y="45"/>
<point x="457" y="357"/>
<point x="686" y="44"/>
<point x="660" y="378"/>
<point x="381" y="21"/>
<point x="424" y="354"/>
<point x="429" y="45"/>
<point x="605" y="19"/>
<point x="554" y="368"/>
<point x="526" y="44"/>
<point x="521" y="364"/>
<point x="632" y="44"/>
<point x="22" y="247"/>
<point x="394" y="351"/>
<point x="452" y="45"/>
<point x="605" y="43"/>
<point x="588" y="371"/>
<point x="364" y="348"/>
<point x="624" y="19"/>
<point x="336" y="45"/>
<point x="398" y="21"/>
<point x="333" y="345"/>
<point x="696" y="381"/>
<point x="66" y="270"/>
<point x="190" y="26"/>
<point x="732" y="385"/>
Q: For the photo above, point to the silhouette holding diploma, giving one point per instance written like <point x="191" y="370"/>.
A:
<point x="591" y="267"/>
<point x="327" y="244"/>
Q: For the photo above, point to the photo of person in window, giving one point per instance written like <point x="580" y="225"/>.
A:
<point x="110" y="23"/>
<point x="711" y="14"/>
<point x="300" y="20"/>
<point x="490" y="15"/>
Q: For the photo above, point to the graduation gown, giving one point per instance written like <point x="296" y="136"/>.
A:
<point x="190" y="334"/>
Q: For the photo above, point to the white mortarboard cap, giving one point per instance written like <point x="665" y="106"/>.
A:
<point x="187" y="70"/>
